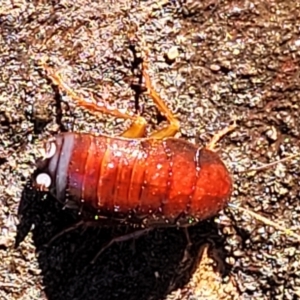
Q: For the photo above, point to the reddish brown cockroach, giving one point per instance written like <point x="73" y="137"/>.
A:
<point x="154" y="181"/>
<point x="161" y="181"/>
<point x="157" y="180"/>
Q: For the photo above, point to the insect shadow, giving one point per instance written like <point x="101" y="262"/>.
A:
<point x="149" y="267"/>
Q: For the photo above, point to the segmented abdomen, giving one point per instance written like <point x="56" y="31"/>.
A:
<point x="158" y="178"/>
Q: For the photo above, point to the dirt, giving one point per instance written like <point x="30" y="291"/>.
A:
<point x="212" y="62"/>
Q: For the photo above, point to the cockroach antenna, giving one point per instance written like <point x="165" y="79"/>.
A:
<point x="266" y="221"/>
<point x="283" y="229"/>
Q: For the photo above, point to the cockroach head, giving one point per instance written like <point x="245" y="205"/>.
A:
<point x="42" y="176"/>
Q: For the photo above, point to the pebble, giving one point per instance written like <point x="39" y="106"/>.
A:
<point x="172" y="54"/>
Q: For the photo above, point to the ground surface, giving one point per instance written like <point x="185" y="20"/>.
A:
<point x="236" y="59"/>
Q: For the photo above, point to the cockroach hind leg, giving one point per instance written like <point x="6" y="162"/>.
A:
<point x="283" y="229"/>
<point x="219" y="135"/>
<point x="123" y="238"/>
<point x="136" y="130"/>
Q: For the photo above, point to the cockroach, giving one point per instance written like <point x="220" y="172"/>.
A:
<point x="155" y="181"/>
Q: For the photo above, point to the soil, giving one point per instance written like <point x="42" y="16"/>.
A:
<point x="211" y="61"/>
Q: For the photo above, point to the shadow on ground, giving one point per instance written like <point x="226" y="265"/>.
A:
<point x="148" y="268"/>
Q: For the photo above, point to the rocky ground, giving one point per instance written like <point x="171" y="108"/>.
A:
<point x="211" y="62"/>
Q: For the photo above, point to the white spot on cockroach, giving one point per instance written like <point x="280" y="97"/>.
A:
<point x="82" y="200"/>
<point x="159" y="166"/>
<point x="139" y="154"/>
<point x="111" y="165"/>
<point x="116" y="208"/>
<point x="43" y="180"/>
<point x="118" y="153"/>
<point x="155" y="176"/>
<point x="135" y="153"/>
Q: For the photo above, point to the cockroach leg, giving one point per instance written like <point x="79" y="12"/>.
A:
<point x="122" y="238"/>
<point x="138" y="126"/>
<point x="174" y="124"/>
<point x="64" y="231"/>
<point x="186" y="254"/>
<point x="219" y="135"/>
<point x="57" y="80"/>
<point x="187" y="235"/>
<point x="137" y="129"/>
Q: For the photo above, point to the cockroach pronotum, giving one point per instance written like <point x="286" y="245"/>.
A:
<point x="155" y="181"/>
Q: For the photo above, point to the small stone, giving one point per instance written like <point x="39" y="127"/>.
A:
<point x="172" y="54"/>
<point x="272" y="134"/>
<point x="215" y="67"/>
<point x="5" y="242"/>
<point x="236" y="51"/>
<point x="230" y="260"/>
